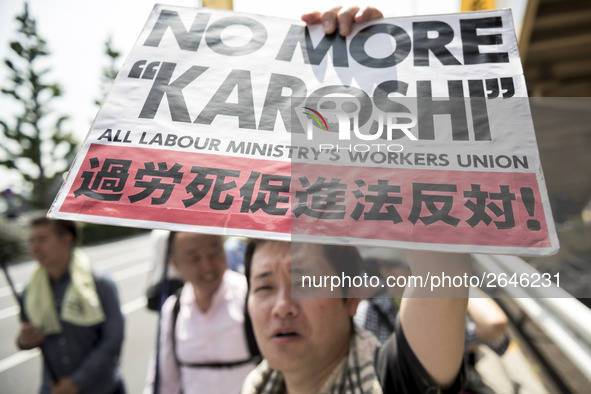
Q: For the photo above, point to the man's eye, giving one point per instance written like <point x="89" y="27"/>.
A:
<point x="262" y="288"/>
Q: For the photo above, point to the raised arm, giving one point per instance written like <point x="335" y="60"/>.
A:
<point x="434" y="325"/>
<point x="490" y="320"/>
<point x="434" y="319"/>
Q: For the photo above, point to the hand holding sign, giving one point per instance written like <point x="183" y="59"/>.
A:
<point x="413" y="144"/>
<point x="341" y="19"/>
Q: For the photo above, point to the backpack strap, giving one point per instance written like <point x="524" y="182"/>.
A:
<point x="225" y="364"/>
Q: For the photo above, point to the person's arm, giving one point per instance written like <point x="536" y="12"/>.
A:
<point x="487" y="315"/>
<point x="434" y="320"/>
<point x="434" y="327"/>
<point x="29" y="337"/>
<point x="107" y="351"/>
<point x="65" y="386"/>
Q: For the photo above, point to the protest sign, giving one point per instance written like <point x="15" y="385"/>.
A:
<point x="410" y="132"/>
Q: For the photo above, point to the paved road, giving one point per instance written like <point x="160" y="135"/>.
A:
<point x="128" y="263"/>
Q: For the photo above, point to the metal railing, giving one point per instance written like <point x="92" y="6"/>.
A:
<point x="562" y="318"/>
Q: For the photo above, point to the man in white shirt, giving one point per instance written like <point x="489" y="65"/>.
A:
<point x="203" y="349"/>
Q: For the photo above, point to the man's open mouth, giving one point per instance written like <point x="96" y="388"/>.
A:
<point x="285" y="333"/>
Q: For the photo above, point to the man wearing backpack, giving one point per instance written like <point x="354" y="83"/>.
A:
<point x="203" y="347"/>
<point x="72" y="313"/>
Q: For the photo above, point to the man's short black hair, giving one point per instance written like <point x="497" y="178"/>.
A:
<point x="62" y="227"/>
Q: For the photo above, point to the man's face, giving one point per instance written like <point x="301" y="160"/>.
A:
<point x="48" y="247"/>
<point x="295" y="334"/>
<point x="200" y="259"/>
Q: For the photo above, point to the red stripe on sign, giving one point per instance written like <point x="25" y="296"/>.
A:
<point x="431" y="206"/>
<point x="410" y="205"/>
<point x="130" y="173"/>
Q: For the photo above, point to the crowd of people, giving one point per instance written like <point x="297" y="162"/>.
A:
<point x="225" y="330"/>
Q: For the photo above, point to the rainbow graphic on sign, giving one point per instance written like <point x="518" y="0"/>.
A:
<point x="317" y="117"/>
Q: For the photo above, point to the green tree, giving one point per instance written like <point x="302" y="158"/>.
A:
<point x="109" y="71"/>
<point x="34" y="143"/>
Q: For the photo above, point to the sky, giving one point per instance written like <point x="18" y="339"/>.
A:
<point x="77" y="30"/>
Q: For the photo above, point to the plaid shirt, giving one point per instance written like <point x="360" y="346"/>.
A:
<point x="355" y="373"/>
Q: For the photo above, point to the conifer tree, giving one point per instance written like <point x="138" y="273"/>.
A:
<point x="109" y="71"/>
<point x="34" y="142"/>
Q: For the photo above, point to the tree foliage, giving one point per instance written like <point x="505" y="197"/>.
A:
<point x="34" y="142"/>
<point x="109" y="71"/>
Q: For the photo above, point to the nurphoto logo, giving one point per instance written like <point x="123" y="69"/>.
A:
<point x="336" y="126"/>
